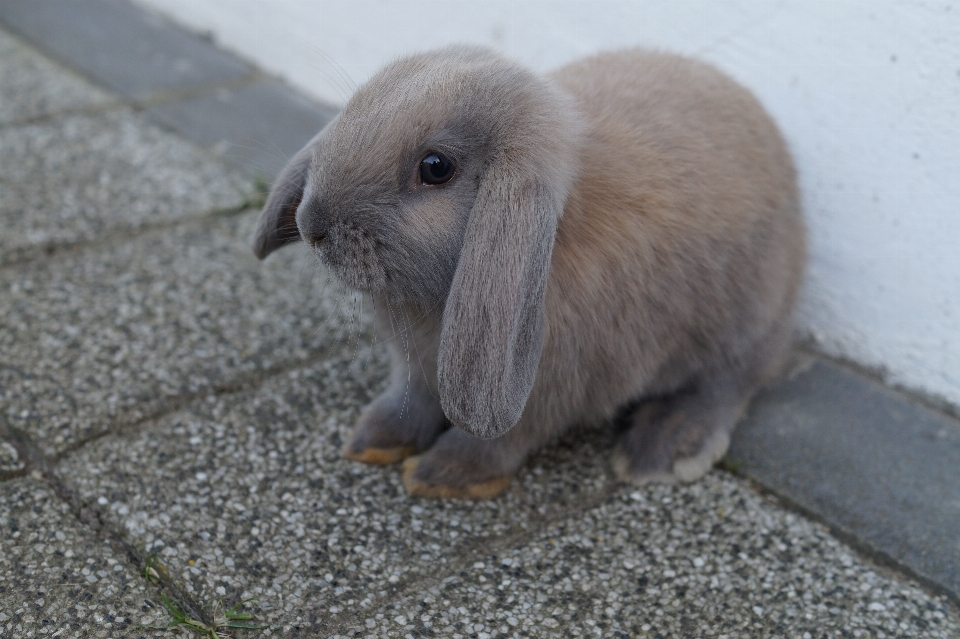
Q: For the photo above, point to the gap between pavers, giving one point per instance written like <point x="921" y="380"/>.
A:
<point x="79" y="178"/>
<point x="186" y="83"/>
<point x="248" y="495"/>
<point x="79" y="168"/>
<point x="881" y="468"/>
<point x="58" y="576"/>
<point x="713" y="558"/>
<point x="104" y="338"/>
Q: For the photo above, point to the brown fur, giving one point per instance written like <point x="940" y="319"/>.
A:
<point x="415" y="486"/>
<point x="380" y="456"/>
<point x="624" y="232"/>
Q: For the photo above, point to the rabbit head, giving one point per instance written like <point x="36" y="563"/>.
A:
<point x="442" y="182"/>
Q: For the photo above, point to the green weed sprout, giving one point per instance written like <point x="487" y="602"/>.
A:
<point x="231" y="618"/>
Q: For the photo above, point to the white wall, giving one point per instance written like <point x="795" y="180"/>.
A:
<point x="867" y="93"/>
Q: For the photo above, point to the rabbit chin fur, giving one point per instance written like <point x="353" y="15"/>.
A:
<point x="621" y="237"/>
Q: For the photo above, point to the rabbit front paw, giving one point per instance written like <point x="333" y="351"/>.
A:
<point x="392" y="428"/>
<point x="460" y="466"/>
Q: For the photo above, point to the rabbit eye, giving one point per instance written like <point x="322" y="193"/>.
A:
<point x="436" y="168"/>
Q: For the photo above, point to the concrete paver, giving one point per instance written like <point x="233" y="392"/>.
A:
<point x="880" y="467"/>
<point x="82" y="176"/>
<point x="57" y="579"/>
<point x="233" y="124"/>
<point x="713" y="559"/>
<point x="146" y="55"/>
<point x="32" y="87"/>
<point x="104" y="337"/>
<point x="248" y="494"/>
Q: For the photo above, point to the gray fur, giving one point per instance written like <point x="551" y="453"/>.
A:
<point x="408" y="413"/>
<point x="493" y="320"/>
<point x="625" y="231"/>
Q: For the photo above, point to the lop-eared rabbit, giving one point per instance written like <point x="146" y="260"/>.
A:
<point x="622" y="236"/>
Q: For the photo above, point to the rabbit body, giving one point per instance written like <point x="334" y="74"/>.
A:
<point x="624" y="234"/>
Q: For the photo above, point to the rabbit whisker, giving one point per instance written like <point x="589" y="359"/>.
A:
<point x="423" y="371"/>
<point x="417" y="321"/>
<point x="343" y="75"/>
<point x="406" y="347"/>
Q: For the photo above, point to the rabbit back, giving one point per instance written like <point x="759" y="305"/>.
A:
<point x="681" y="246"/>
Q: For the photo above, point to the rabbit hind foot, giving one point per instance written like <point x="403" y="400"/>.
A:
<point x="676" y="439"/>
<point x="686" y="470"/>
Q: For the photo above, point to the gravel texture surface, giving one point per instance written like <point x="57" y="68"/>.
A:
<point x="107" y="336"/>
<point x="58" y="579"/>
<point x="32" y="87"/>
<point x="713" y="559"/>
<point x="9" y="458"/>
<point x="247" y="494"/>
<point x="82" y="176"/>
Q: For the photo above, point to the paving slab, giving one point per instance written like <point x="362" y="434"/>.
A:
<point x="83" y="176"/>
<point x="870" y="461"/>
<point x="105" y="337"/>
<point x="258" y="127"/>
<point x="711" y="559"/>
<point x="120" y="46"/>
<point x="58" y="579"/>
<point x="31" y="86"/>
<point x="248" y="494"/>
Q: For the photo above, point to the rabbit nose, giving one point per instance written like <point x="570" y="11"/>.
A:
<point x="313" y="223"/>
<point x="313" y="238"/>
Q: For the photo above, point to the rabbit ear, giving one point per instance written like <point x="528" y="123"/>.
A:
<point x="277" y="224"/>
<point x="492" y="332"/>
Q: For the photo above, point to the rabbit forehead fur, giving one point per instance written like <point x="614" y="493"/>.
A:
<point x="387" y="233"/>
<point x="469" y="97"/>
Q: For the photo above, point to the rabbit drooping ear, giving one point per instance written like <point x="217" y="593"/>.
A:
<point x="492" y="332"/>
<point x="278" y="224"/>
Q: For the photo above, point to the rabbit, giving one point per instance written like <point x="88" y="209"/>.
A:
<point x="619" y="241"/>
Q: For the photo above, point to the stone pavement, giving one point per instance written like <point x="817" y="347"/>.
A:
<point x="168" y="403"/>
